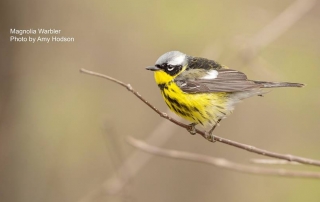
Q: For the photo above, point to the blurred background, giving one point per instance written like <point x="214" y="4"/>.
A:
<point x="62" y="133"/>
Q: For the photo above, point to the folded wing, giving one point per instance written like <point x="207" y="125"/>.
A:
<point x="223" y="80"/>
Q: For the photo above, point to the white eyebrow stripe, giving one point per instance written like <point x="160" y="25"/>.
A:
<point x="212" y="74"/>
<point x="177" y="60"/>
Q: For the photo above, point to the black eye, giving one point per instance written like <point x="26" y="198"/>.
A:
<point x="170" y="68"/>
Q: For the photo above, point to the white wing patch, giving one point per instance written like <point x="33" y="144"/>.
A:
<point x="212" y="74"/>
<point x="177" y="60"/>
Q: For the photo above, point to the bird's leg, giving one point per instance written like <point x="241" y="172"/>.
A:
<point x="215" y="125"/>
<point x="209" y="135"/>
<point x="192" y="128"/>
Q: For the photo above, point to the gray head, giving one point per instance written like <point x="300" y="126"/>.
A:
<point x="170" y="62"/>
<point x="172" y="58"/>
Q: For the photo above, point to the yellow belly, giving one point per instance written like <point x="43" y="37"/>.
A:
<point x="204" y="108"/>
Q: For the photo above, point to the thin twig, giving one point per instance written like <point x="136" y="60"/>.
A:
<point x="273" y="162"/>
<point x="249" y="148"/>
<point x="220" y="162"/>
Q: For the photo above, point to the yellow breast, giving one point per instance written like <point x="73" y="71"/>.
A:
<point x="204" y="108"/>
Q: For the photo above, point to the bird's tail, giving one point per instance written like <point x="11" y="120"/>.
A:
<point x="266" y="84"/>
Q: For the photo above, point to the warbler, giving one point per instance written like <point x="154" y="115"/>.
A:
<point x="203" y="91"/>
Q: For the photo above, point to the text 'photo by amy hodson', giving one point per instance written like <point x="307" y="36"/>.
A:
<point x="20" y="38"/>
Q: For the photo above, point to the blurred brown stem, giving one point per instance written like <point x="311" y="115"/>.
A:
<point x="249" y="148"/>
<point x="281" y="23"/>
<point x="275" y="28"/>
<point x="220" y="162"/>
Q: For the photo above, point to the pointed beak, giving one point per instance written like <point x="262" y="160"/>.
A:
<point x="153" y="68"/>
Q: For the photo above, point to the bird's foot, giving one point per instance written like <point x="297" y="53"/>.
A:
<point x="192" y="128"/>
<point x="210" y="137"/>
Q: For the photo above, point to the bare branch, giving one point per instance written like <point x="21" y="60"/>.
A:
<point x="220" y="162"/>
<point x="273" y="162"/>
<point x="249" y="148"/>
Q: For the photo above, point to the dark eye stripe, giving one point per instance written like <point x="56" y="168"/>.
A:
<point x="170" y="69"/>
<point x="173" y="70"/>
